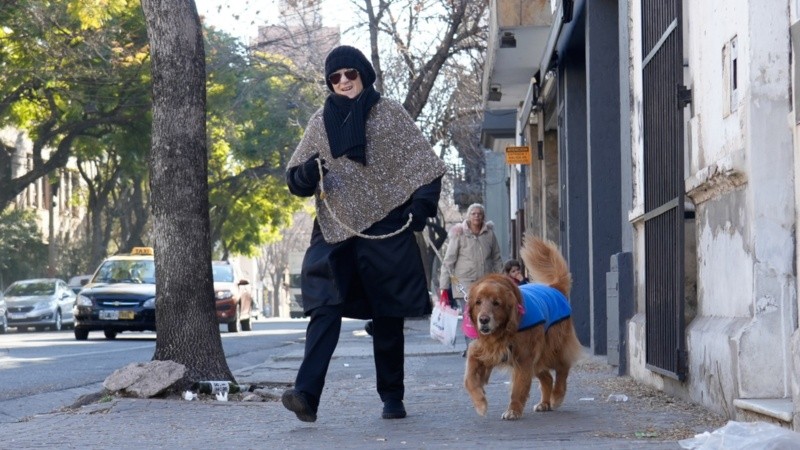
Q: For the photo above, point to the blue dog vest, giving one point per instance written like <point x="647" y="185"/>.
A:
<point x="543" y="304"/>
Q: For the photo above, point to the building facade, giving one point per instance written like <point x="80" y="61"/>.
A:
<point x="663" y="162"/>
<point x="58" y="201"/>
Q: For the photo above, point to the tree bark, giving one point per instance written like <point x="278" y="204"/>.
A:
<point x="188" y="331"/>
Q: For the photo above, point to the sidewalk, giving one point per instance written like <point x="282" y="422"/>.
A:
<point x="440" y="413"/>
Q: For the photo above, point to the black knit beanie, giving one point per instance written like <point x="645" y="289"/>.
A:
<point x="347" y="57"/>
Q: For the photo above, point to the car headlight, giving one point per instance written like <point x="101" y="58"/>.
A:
<point x="224" y="295"/>
<point x="83" y="300"/>
<point x="150" y="303"/>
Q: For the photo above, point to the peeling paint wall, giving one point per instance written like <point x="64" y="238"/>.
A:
<point x="724" y="261"/>
<point x="746" y="213"/>
<point x="742" y="181"/>
<point x="717" y="135"/>
<point x="741" y="164"/>
<point x="794" y="368"/>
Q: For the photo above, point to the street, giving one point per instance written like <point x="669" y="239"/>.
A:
<point x="43" y="371"/>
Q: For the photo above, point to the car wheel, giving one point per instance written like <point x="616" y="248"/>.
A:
<point x="246" y="325"/>
<point x="58" y="325"/>
<point x="110" y="334"/>
<point x="3" y="324"/>
<point x="235" y="326"/>
<point x="81" y="334"/>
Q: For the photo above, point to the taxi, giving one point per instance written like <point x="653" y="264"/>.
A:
<point x="121" y="296"/>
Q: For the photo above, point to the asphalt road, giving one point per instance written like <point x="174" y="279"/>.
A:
<point x="43" y="371"/>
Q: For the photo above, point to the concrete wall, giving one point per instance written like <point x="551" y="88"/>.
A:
<point x="741" y="180"/>
<point x="496" y="195"/>
<point x="794" y="119"/>
<point x="515" y="13"/>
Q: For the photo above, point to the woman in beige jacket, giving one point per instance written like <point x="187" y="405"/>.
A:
<point x="472" y="252"/>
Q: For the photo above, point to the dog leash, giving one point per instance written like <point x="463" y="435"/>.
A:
<point x="459" y="286"/>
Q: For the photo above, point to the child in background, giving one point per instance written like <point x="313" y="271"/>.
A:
<point x="513" y="269"/>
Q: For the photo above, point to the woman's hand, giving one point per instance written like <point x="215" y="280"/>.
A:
<point x="309" y="171"/>
<point x="444" y="297"/>
<point x="419" y="218"/>
<point x="304" y="178"/>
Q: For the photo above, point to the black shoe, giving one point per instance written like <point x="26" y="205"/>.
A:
<point x="368" y="327"/>
<point x="393" y="409"/>
<point x="464" y="355"/>
<point x="297" y="402"/>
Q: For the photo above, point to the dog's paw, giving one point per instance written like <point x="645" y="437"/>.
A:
<point x="481" y="407"/>
<point x="512" y="415"/>
<point x="543" y="406"/>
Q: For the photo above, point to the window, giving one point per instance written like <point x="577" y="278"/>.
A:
<point x="33" y="288"/>
<point x="126" y="271"/>
<point x="223" y="273"/>
<point x="730" y="72"/>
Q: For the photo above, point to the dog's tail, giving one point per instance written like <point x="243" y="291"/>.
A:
<point x="546" y="264"/>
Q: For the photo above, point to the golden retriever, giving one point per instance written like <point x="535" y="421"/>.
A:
<point x="526" y="347"/>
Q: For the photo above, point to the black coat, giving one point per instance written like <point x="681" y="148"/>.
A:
<point x="371" y="277"/>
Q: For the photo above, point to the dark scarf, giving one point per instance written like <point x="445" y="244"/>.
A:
<point x="345" y="123"/>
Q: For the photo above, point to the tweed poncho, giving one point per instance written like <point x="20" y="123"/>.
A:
<point x="399" y="160"/>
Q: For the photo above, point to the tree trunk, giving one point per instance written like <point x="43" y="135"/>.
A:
<point x="134" y="216"/>
<point x="188" y="332"/>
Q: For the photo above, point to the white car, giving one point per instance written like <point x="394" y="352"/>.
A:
<point x="3" y="319"/>
<point x="40" y="303"/>
<point x="77" y="282"/>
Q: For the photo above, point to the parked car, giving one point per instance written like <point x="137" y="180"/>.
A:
<point x="77" y="282"/>
<point x="296" y="310"/>
<point x="40" y="303"/>
<point x="121" y="296"/>
<point x="3" y="318"/>
<point x="234" y="302"/>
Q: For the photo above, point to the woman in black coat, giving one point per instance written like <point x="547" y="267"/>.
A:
<point x="376" y="180"/>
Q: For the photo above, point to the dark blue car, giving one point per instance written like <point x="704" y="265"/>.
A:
<point x="121" y="296"/>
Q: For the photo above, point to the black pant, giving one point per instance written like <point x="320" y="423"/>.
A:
<point x="322" y="336"/>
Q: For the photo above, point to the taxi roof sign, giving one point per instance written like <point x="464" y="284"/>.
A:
<point x="142" y="251"/>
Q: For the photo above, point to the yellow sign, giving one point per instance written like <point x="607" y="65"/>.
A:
<point x="142" y="251"/>
<point x="518" y="155"/>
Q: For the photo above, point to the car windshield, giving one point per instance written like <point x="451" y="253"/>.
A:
<point x="33" y="288"/>
<point x="223" y="273"/>
<point x="126" y="271"/>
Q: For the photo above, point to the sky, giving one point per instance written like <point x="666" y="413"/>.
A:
<point x="241" y="18"/>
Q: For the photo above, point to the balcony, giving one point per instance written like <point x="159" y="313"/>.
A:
<point x="518" y="32"/>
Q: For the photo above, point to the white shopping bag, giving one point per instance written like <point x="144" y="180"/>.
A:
<point x="444" y="323"/>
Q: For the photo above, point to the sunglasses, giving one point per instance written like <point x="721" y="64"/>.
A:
<point x="335" y="78"/>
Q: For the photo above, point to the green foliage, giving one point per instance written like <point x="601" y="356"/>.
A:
<point x="18" y="231"/>
<point x="93" y="14"/>
<point x="76" y="74"/>
<point x="68" y="65"/>
<point x="73" y="258"/>
<point x="254" y="114"/>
